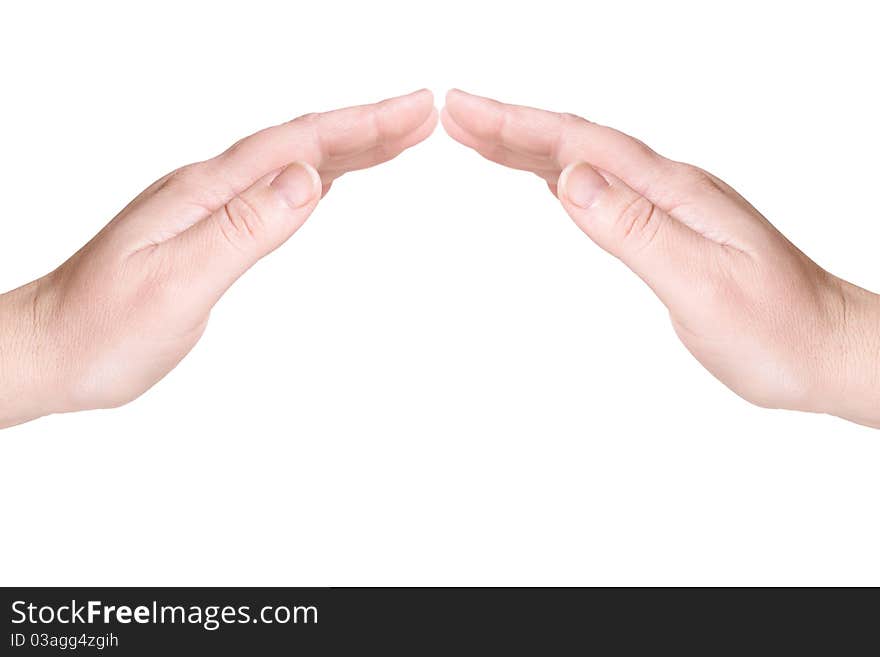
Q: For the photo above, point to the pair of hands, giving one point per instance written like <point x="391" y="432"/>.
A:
<point x="125" y="309"/>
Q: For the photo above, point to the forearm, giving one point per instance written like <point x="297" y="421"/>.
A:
<point x="26" y="380"/>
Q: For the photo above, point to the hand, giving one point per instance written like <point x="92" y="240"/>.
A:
<point x="755" y="311"/>
<point x="123" y="311"/>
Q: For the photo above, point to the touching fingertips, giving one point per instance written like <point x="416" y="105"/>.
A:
<point x="581" y="184"/>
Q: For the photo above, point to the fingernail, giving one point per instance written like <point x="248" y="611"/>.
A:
<point x="299" y="183"/>
<point x="582" y="184"/>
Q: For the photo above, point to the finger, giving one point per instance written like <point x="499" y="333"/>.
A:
<point x="210" y="255"/>
<point x="380" y="153"/>
<point x="332" y="142"/>
<point x="547" y="142"/>
<point x="337" y="140"/>
<point x="675" y="261"/>
<point x="500" y="153"/>
<point x="557" y="140"/>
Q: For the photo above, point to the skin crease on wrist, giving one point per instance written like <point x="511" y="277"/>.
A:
<point x="26" y="386"/>
<point x="755" y="311"/>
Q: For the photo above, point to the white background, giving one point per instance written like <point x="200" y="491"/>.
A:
<point x="439" y="379"/>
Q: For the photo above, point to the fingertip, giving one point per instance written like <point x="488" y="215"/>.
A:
<point x="475" y="114"/>
<point x="454" y="130"/>
<point x="423" y="131"/>
<point x="452" y="93"/>
<point x="313" y="174"/>
<point x="580" y="185"/>
<point x="462" y="97"/>
<point x="403" y="115"/>
<point x="299" y="184"/>
<point x="432" y="120"/>
<point x="455" y="92"/>
<point x="562" y="181"/>
<point x="445" y="118"/>
<point x="455" y="97"/>
<point x="421" y="97"/>
<point x="563" y="175"/>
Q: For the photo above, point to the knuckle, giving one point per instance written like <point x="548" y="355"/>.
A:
<point x="697" y="180"/>
<point x="185" y="178"/>
<point x="196" y="182"/>
<point x="570" y="119"/>
<point x="638" y="222"/>
<point x="240" y="222"/>
<point x="311" y="117"/>
<point x="569" y="125"/>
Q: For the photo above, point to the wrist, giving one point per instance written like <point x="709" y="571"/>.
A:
<point x="852" y="373"/>
<point x="29" y="380"/>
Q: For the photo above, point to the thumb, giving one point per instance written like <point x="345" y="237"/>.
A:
<point x="661" y="250"/>
<point x="220" y="248"/>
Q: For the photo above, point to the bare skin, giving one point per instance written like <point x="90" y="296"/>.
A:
<point x="124" y="310"/>
<point x="754" y="310"/>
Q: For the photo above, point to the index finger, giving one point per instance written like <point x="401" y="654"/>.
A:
<point x="557" y="139"/>
<point x="334" y="140"/>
